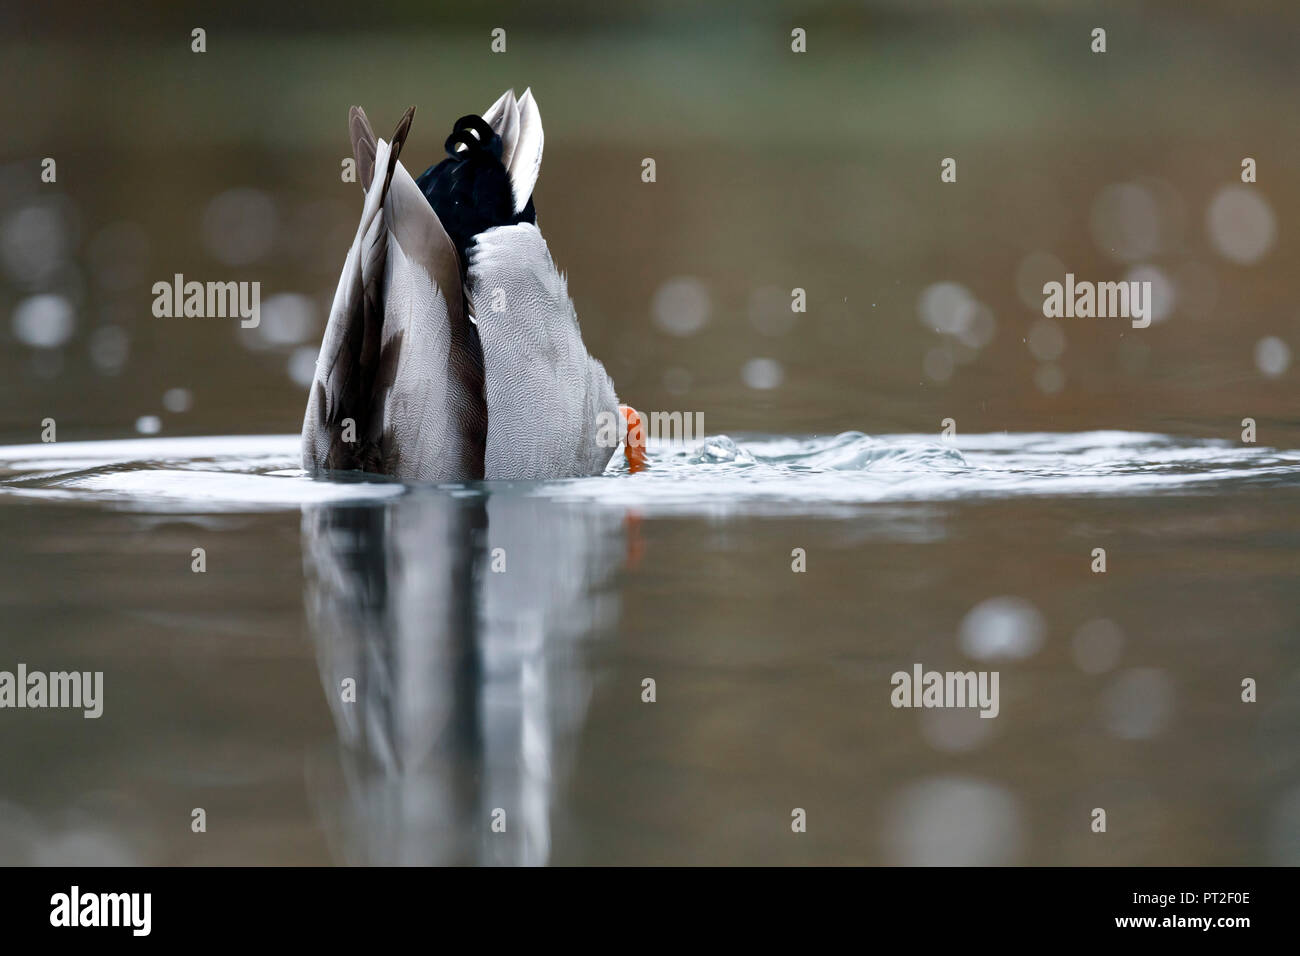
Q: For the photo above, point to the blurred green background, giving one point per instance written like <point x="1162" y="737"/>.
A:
<point x="775" y="170"/>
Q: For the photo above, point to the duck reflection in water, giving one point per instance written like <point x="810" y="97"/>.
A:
<point x="466" y="625"/>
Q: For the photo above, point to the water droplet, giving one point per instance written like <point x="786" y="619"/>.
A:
<point x="36" y="240"/>
<point x="44" y="321"/>
<point x="1002" y="627"/>
<point x="762" y="373"/>
<point x="981" y="329"/>
<point x="1241" y="224"/>
<point x="947" y="307"/>
<point x="1272" y="356"/>
<point x="1164" y="294"/>
<point x="178" y="400"/>
<point x="302" y="366"/>
<point x="287" y="318"/>
<point x="681" y="306"/>
<point x="719" y="450"/>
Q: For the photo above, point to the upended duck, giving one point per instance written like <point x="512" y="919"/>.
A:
<point x="452" y="351"/>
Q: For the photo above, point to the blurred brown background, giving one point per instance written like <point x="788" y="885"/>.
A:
<point x="775" y="170"/>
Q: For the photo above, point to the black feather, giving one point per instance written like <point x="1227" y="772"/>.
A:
<point x="470" y="190"/>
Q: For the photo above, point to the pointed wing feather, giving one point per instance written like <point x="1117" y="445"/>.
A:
<point x="348" y="352"/>
<point x="519" y="124"/>
<point x="503" y="117"/>
<point x="526" y="160"/>
<point x="363" y="145"/>
<point x="399" y="358"/>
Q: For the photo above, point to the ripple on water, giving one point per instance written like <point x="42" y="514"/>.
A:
<point x="753" y="475"/>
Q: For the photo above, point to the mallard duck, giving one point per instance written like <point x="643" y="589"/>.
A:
<point x="452" y="351"/>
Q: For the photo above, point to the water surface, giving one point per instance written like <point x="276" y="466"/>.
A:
<point x="499" y="635"/>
